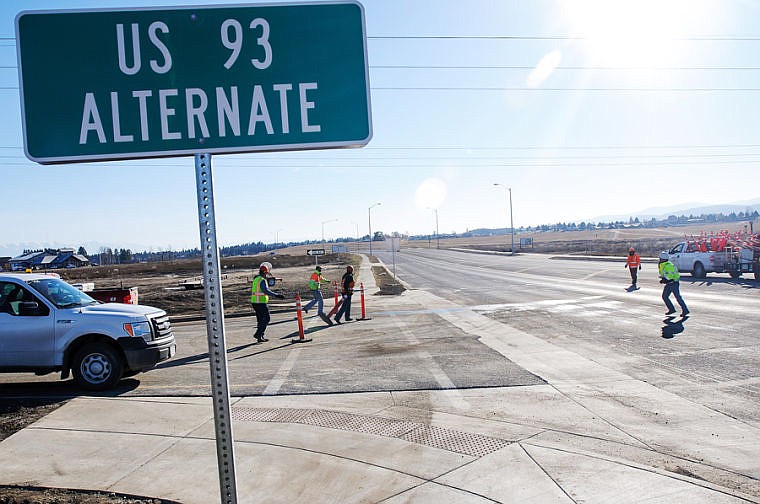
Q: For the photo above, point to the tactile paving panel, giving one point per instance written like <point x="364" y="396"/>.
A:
<point x="283" y="415"/>
<point x="476" y="445"/>
<point x="466" y="443"/>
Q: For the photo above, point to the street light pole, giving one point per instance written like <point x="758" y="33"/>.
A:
<point x="277" y="236"/>
<point x="357" y="235"/>
<point x="316" y="258"/>
<point x="511" y="222"/>
<point x="369" y="222"/>
<point x="437" y="235"/>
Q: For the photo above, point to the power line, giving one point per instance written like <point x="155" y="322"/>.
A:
<point x="546" y="89"/>
<point x="562" y="89"/>
<point x="552" y="37"/>
<point x="538" y="147"/>
<point x="532" y="67"/>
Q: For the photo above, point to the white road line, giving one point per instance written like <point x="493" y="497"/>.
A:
<point x="455" y="397"/>
<point x="276" y="383"/>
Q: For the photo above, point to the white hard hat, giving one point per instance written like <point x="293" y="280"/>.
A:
<point x="266" y="265"/>
<point x="663" y="256"/>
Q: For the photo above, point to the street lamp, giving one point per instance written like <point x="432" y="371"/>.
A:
<point x="316" y="258"/>
<point x="357" y="235"/>
<point x="437" y="236"/>
<point x="511" y="222"/>
<point x="369" y="221"/>
<point x="323" y="228"/>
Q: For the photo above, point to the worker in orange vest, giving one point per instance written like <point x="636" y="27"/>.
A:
<point x="315" y="283"/>
<point x="633" y="263"/>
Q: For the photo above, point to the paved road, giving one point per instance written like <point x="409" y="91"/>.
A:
<point x="507" y="374"/>
<point x="712" y="357"/>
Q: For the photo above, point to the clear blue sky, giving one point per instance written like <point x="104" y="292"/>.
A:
<point x="584" y="109"/>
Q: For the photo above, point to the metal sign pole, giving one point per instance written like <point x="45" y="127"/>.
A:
<point x="217" y="348"/>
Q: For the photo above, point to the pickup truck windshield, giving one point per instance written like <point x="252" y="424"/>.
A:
<point x="60" y="293"/>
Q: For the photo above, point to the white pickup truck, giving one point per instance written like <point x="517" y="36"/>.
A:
<point x="47" y="325"/>
<point x="688" y="257"/>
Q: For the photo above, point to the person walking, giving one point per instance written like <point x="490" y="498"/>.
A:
<point x="260" y="300"/>
<point x="347" y="290"/>
<point x="633" y="263"/>
<point x="670" y="277"/>
<point x="315" y="283"/>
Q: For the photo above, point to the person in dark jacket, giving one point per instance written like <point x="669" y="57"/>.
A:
<point x="347" y="290"/>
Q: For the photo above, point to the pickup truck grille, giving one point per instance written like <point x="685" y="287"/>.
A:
<point x="162" y="328"/>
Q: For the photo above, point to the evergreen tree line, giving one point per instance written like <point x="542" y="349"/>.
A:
<point x="106" y="255"/>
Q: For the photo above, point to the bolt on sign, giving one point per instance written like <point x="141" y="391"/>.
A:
<point x="151" y="82"/>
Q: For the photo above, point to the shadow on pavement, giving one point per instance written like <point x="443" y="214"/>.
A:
<point x="673" y="326"/>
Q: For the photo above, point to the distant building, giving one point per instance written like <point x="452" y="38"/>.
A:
<point x="48" y="259"/>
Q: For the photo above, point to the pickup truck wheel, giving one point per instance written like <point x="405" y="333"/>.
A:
<point x="699" y="270"/>
<point x="97" y="366"/>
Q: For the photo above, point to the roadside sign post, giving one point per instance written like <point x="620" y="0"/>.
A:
<point x="217" y="347"/>
<point x="100" y="85"/>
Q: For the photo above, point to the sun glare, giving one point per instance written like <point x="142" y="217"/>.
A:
<point x="625" y="33"/>
<point x="431" y="193"/>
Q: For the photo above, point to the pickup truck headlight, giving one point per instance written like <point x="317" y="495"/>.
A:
<point x="139" y="330"/>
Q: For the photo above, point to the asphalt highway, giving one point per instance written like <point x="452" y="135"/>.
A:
<point x="586" y="306"/>
<point x="712" y="357"/>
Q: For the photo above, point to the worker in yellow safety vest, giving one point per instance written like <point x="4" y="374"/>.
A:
<point x="260" y="300"/>
<point x="670" y="277"/>
<point x="633" y="263"/>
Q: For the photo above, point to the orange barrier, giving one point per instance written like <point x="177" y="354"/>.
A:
<point x="299" y="316"/>
<point x="335" y="308"/>
<point x="364" y="311"/>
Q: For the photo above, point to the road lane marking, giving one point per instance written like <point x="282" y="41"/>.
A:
<point x="274" y="385"/>
<point x="455" y="398"/>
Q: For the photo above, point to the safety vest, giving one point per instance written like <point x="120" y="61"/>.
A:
<point x="668" y="271"/>
<point x="257" y="296"/>
<point x="315" y="280"/>
<point x="633" y="261"/>
<point x="347" y="286"/>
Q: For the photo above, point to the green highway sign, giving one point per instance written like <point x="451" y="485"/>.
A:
<point x="123" y="84"/>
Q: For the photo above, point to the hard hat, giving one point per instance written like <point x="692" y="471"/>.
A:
<point x="319" y="268"/>
<point x="265" y="266"/>
<point x="349" y="268"/>
<point x="663" y="256"/>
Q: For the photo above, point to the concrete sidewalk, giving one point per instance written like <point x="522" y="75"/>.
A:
<point x="590" y="434"/>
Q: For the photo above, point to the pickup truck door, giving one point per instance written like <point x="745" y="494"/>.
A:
<point x="676" y="257"/>
<point x="27" y="338"/>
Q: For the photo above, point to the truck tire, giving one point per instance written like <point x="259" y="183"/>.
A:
<point x="699" y="270"/>
<point x="97" y="366"/>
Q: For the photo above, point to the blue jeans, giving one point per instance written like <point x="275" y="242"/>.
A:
<point x="317" y="300"/>
<point x="675" y="289"/>
<point x="344" y="308"/>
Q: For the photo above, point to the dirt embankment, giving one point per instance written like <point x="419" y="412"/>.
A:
<point x="161" y="284"/>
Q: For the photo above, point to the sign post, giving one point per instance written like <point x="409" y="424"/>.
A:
<point x="100" y="85"/>
<point x="217" y="347"/>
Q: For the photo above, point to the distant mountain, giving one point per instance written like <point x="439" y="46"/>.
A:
<point x="684" y="209"/>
